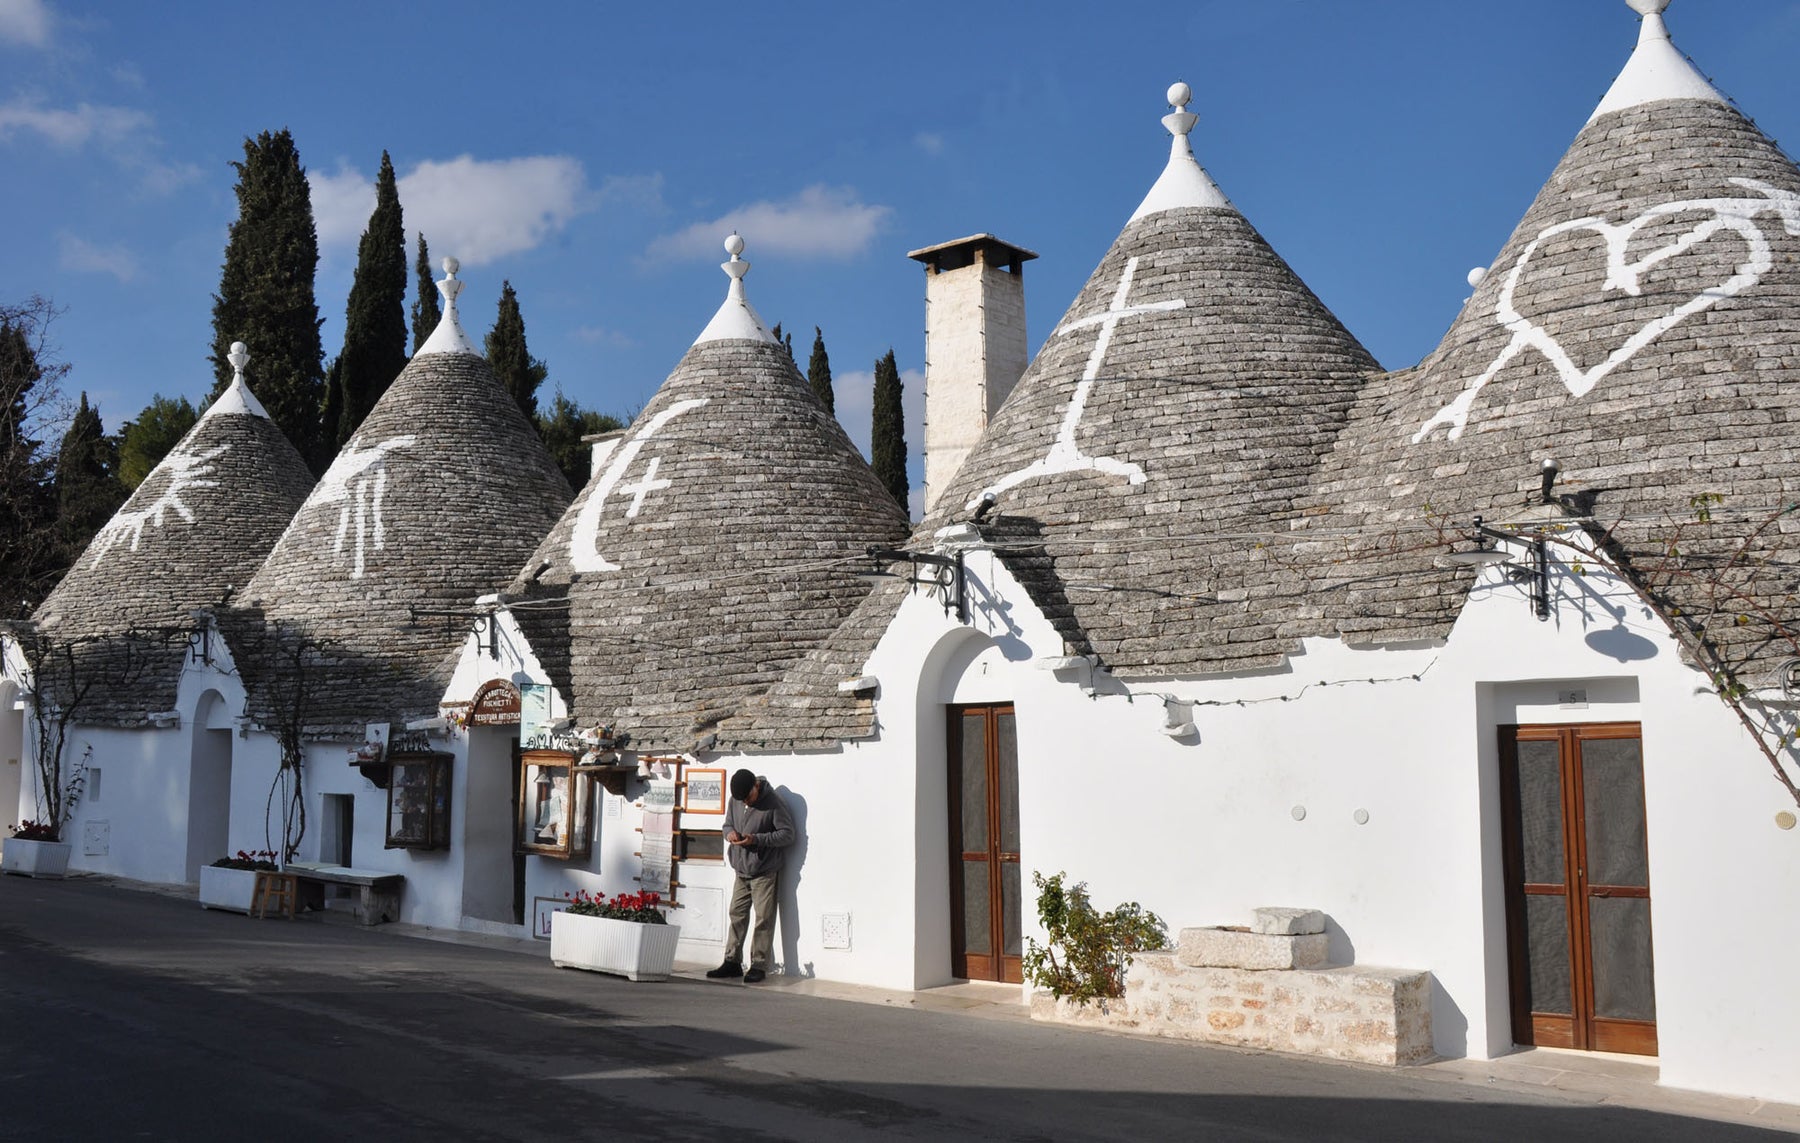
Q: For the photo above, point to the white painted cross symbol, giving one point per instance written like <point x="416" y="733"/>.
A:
<point x="645" y="486"/>
<point x="584" y="555"/>
<point x="1064" y="454"/>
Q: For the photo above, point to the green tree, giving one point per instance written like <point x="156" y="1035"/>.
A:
<point x="818" y="372"/>
<point x="375" y="317"/>
<point x="143" y="442"/>
<point x="28" y="388"/>
<point x="426" y="312"/>
<point x="88" y="491"/>
<point x="887" y="437"/>
<point x="520" y="372"/>
<point x="265" y="296"/>
<point x="562" y="430"/>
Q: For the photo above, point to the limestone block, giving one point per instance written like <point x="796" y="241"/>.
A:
<point x="1238" y="948"/>
<point x="1282" y="922"/>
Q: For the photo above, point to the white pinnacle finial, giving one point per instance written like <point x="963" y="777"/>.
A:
<point x="237" y="397"/>
<point x="449" y="337"/>
<point x="1656" y="71"/>
<point x="1181" y="120"/>
<point x="736" y="319"/>
<point x="1184" y="182"/>
<point x="737" y="267"/>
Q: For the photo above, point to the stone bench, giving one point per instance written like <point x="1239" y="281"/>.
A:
<point x="1266" y="986"/>
<point x="377" y="897"/>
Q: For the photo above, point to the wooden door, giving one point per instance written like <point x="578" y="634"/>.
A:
<point x="1578" y="887"/>
<point x="984" y="844"/>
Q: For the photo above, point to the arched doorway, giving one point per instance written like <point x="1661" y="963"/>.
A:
<point x="209" y="784"/>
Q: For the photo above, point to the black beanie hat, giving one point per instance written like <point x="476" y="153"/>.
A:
<point x="741" y="784"/>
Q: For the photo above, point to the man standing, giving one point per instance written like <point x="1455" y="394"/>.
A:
<point x="758" y="830"/>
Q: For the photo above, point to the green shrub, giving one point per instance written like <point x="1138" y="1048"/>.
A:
<point x="1088" y="951"/>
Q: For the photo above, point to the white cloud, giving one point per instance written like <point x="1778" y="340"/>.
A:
<point x="25" y="22"/>
<point x="86" y="257"/>
<point x="124" y="135"/>
<point x="819" y="222"/>
<point x="341" y="205"/>
<point x="636" y="192"/>
<point x="475" y="210"/>
<point x="600" y="335"/>
<point x="73" y="128"/>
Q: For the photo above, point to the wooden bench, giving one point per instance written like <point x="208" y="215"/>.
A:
<point x="377" y="896"/>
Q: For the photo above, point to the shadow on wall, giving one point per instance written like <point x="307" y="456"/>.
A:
<point x="787" y="901"/>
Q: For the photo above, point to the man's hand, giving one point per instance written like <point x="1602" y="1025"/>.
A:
<point x="737" y="838"/>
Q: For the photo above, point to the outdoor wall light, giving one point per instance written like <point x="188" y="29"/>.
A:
<point x="1178" y="719"/>
<point x="1485" y="553"/>
<point x="947" y="574"/>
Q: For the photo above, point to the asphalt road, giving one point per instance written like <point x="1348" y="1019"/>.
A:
<point x="133" y="1015"/>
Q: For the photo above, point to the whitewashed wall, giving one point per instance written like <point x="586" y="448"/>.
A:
<point x="1203" y="831"/>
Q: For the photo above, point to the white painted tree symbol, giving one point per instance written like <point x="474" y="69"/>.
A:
<point x="358" y="480"/>
<point x="180" y="473"/>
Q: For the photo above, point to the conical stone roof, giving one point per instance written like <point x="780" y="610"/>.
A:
<point x="1183" y="401"/>
<point x="715" y="545"/>
<point x="433" y="503"/>
<point x="1640" y="327"/>
<point x="196" y="528"/>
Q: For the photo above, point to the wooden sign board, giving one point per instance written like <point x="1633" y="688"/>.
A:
<point x="496" y="704"/>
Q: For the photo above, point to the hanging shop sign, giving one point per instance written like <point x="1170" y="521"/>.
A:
<point x="496" y="704"/>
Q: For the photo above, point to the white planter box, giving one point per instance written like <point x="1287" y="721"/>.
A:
<point x="48" y="859"/>
<point x="602" y="944"/>
<point x="230" y="889"/>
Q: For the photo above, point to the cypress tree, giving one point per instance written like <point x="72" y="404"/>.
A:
<point x="88" y="491"/>
<point x="562" y="429"/>
<point x="143" y="442"/>
<point x="27" y="504"/>
<point x="818" y="372"/>
<point x="426" y="311"/>
<point x="375" y="317"/>
<point x="887" y="436"/>
<point x="512" y="361"/>
<point x="265" y="296"/>
<point x="786" y="341"/>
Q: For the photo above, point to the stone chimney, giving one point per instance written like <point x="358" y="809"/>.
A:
<point x="974" y="345"/>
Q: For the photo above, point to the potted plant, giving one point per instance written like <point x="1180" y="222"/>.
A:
<point x="626" y="935"/>
<point x="34" y="851"/>
<point x="230" y="882"/>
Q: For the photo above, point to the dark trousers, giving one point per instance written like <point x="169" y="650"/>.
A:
<point x="760" y="892"/>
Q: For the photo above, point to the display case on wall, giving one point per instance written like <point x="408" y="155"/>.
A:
<point x="556" y="798"/>
<point x="418" y="800"/>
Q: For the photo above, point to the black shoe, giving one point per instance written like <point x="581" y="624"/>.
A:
<point x="754" y="976"/>
<point x="730" y="970"/>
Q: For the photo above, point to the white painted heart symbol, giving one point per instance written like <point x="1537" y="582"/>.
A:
<point x="1733" y="214"/>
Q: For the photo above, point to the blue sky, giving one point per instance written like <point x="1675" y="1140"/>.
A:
<point x="595" y="155"/>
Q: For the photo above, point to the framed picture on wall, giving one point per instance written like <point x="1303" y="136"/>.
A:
<point x="705" y="792"/>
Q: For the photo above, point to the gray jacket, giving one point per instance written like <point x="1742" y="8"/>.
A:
<point x="769" y="826"/>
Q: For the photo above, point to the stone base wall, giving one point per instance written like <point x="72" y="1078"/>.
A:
<point x="1369" y="1015"/>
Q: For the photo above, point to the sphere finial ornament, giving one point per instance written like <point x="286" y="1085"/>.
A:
<point x="1179" y="95"/>
<point x="1648" y="7"/>
<point x="734" y="245"/>
<point x="451" y="266"/>
<point x="239" y="357"/>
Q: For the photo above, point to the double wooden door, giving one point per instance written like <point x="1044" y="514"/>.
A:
<point x="984" y="843"/>
<point x="1578" y="887"/>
